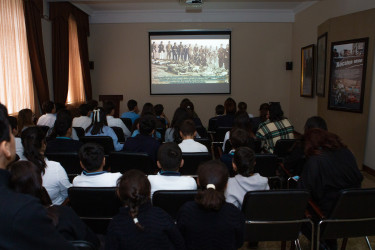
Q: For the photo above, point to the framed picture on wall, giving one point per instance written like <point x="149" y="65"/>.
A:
<point x="307" y="71"/>
<point x="348" y="75"/>
<point x="321" y="58"/>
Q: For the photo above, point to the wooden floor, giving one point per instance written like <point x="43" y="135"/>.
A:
<point x="353" y="243"/>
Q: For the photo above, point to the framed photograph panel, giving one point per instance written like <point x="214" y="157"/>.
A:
<point x="348" y="75"/>
<point x="307" y="71"/>
<point x="321" y="58"/>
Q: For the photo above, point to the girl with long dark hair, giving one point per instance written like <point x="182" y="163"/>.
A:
<point x="209" y="222"/>
<point x="139" y="225"/>
<point x="55" y="179"/>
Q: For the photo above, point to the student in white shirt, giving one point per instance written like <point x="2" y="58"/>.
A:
<point x="84" y="121"/>
<point x="188" y="133"/>
<point x="109" y="109"/>
<point x="245" y="180"/>
<point x="92" y="161"/>
<point x="48" y="119"/>
<point x="55" y="179"/>
<point x="169" y="178"/>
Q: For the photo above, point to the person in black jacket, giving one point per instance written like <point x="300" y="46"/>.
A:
<point x="23" y="221"/>
<point x="209" y="222"/>
<point x="26" y="178"/>
<point x="139" y="225"/>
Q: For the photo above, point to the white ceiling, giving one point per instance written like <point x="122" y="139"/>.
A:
<point x="127" y="11"/>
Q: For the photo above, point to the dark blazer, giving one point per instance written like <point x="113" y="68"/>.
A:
<point x="24" y="222"/>
<point x="159" y="231"/>
<point x="225" y="121"/>
<point x="63" y="144"/>
<point x="202" y="229"/>
<point x="142" y="143"/>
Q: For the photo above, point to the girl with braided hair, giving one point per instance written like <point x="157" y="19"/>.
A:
<point x="210" y="222"/>
<point x="139" y="225"/>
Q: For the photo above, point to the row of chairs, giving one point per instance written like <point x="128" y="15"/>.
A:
<point x="272" y="215"/>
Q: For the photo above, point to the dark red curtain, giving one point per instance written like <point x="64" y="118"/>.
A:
<point x="59" y="14"/>
<point x="33" y="15"/>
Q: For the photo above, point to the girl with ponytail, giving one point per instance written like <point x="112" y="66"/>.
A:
<point x="209" y="222"/>
<point x="139" y="225"/>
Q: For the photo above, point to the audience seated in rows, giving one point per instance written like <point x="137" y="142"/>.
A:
<point x="242" y="121"/>
<point x="92" y="161"/>
<point x="26" y="178"/>
<point x="144" y="142"/>
<point x="84" y="121"/>
<point x="263" y="116"/>
<point x="139" y="225"/>
<point x="219" y="111"/>
<point x="275" y="128"/>
<point x="30" y="226"/>
<point x="245" y="179"/>
<point x="210" y="222"/>
<point x="99" y="127"/>
<point x="62" y="131"/>
<point x="238" y="138"/>
<point x="55" y="179"/>
<point x="230" y="110"/>
<point x="169" y="178"/>
<point x="109" y="109"/>
<point x="49" y="117"/>
<point x="188" y="133"/>
<point x="133" y="111"/>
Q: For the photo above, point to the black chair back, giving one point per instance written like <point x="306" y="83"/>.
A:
<point x="220" y="133"/>
<point x="95" y="205"/>
<point x="83" y="245"/>
<point x="124" y="161"/>
<point x="120" y="134"/>
<point x="172" y="200"/>
<point x="128" y="123"/>
<point x="266" y="165"/>
<point x="80" y="131"/>
<point x="192" y="162"/>
<point x="274" y="215"/>
<point x="69" y="161"/>
<point x="257" y="146"/>
<point x="45" y="129"/>
<point x="204" y="141"/>
<point x="352" y="216"/>
<point x="202" y="132"/>
<point x="105" y="141"/>
<point x="284" y="147"/>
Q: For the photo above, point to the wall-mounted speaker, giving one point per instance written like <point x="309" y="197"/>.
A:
<point x="289" y="65"/>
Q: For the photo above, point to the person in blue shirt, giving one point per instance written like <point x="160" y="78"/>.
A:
<point x="99" y="127"/>
<point x="133" y="111"/>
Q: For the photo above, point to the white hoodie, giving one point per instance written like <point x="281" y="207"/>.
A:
<point x="239" y="185"/>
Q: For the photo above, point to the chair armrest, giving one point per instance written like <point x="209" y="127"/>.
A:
<point x="316" y="209"/>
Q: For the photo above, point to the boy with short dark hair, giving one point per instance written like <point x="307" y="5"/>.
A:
<point x="84" y="121"/>
<point x="169" y="178"/>
<point x="92" y="161"/>
<point x="49" y="117"/>
<point x="109" y="108"/>
<point x="133" y="111"/>
<point x="187" y="133"/>
<point x="245" y="180"/>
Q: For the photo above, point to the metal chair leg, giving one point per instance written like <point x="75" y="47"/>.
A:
<point x="368" y="243"/>
<point x="344" y="242"/>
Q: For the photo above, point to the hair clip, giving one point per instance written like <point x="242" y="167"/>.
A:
<point x="135" y="220"/>
<point x="210" y="186"/>
<point x="96" y="115"/>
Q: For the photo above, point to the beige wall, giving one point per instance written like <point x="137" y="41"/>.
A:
<point x="305" y="33"/>
<point x="259" y="53"/>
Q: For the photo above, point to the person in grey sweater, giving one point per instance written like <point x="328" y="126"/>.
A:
<point x="245" y="180"/>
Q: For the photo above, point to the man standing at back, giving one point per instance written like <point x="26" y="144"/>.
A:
<point x="23" y="220"/>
